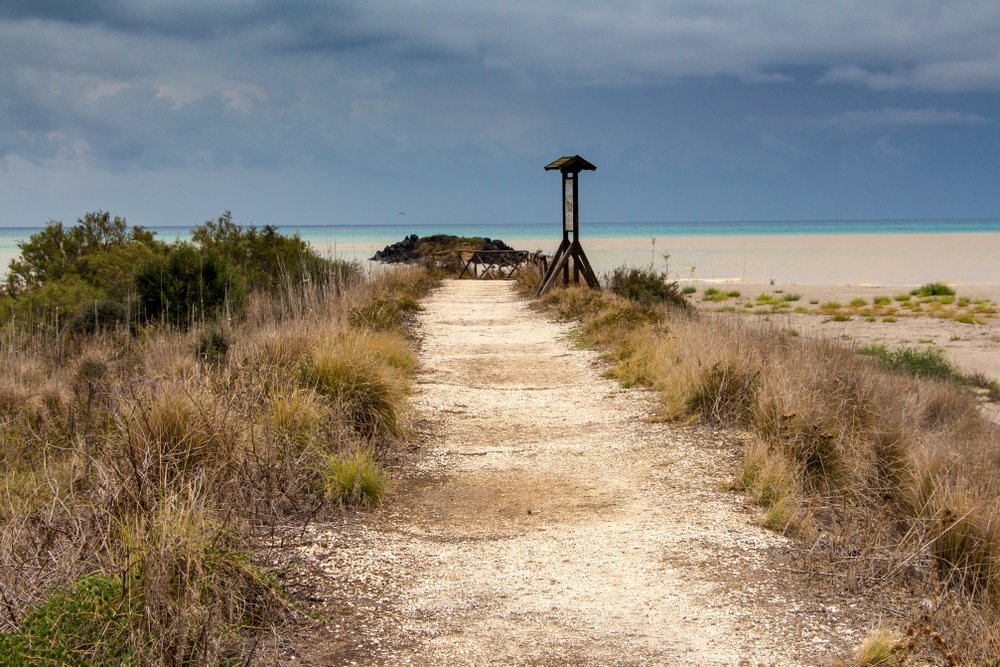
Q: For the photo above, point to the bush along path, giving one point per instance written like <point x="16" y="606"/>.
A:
<point x="542" y="519"/>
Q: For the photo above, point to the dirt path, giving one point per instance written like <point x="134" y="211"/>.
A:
<point x="545" y="522"/>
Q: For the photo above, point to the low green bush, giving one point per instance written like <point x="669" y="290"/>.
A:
<point x="646" y="287"/>
<point x="933" y="289"/>
<point x="91" y="622"/>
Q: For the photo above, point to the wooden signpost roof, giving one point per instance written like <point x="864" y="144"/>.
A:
<point x="571" y="163"/>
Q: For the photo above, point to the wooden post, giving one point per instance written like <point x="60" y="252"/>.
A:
<point x="570" y="250"/>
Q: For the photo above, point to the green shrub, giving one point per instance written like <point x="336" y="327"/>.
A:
<point x="689" y="289"/>
<point x="58" y="252"/>
<point x="55" y="302"/>
<point x="882" y="300"/>
<point x="266" y="259"/>
<point x="646" y="287"/>
<point x="933" y="289"/>
<point x="186" y="285"/>
<point x="791" y="296"/>
<point x="714" y="294"/>
<point x="966" y="318"/>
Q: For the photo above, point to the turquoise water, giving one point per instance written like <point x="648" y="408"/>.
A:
<point x="650" y="229"/>
<point x="642" y="243"/>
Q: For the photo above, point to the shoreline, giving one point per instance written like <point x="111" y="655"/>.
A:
<point x="849" y="258"/>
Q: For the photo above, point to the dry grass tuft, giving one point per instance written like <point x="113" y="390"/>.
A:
<point x="878" y="648"/>
<point x="368" y="392"/>
<point x="772" y="481"/>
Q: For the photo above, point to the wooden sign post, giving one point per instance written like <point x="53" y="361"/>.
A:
<point x="570" y="251"/>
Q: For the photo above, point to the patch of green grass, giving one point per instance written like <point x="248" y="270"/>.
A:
<point x="832" y="305"/>
<point x="968" y="318"/>
<point x="921" y="362"/>
<point x="791" y="296"/>
<point x="768" y="298"/>
<point x="802" y="310"/>
<point x="689" y="289"/>
<point x="714" y="294"/>
<point x="813" y="302"/>
<point x="889" y="318"/>
<point x="933" y="289"/>
<point x="733" y="293"/>
<point x="902" y="298"/>
<point x="841" y="317"/>
<point x="354" y="478"/>
<point x="882" y="300"/>
<point x="858" y="302"/>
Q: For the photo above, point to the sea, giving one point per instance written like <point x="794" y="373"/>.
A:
<point x="802" y="251"/>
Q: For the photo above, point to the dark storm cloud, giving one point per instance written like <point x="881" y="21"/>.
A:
<point x="148" y="84"/>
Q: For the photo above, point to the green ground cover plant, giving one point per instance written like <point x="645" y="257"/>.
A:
<point x="930" y="300"/>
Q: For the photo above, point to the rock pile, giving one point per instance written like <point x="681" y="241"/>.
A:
<point x="439" y="249"/>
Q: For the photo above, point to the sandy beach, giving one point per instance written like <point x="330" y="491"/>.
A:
<point x="820" y="259"/>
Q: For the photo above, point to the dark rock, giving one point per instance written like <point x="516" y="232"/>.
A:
<point x="440" y="250"/>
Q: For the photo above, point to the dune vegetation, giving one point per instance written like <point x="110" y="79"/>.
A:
<point x="890" y="478"/>
<point x="163" y="406"/>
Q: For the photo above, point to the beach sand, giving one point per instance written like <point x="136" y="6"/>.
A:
<point x="821" y="259"/>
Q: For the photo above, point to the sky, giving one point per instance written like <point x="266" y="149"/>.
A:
<point x="324" y="112"/>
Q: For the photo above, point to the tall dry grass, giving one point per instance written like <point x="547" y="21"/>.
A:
<point x="137" y="470"/>
<point x="899" y="476"/>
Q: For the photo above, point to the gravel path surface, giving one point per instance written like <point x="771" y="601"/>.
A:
<point x="545" y="521"/>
